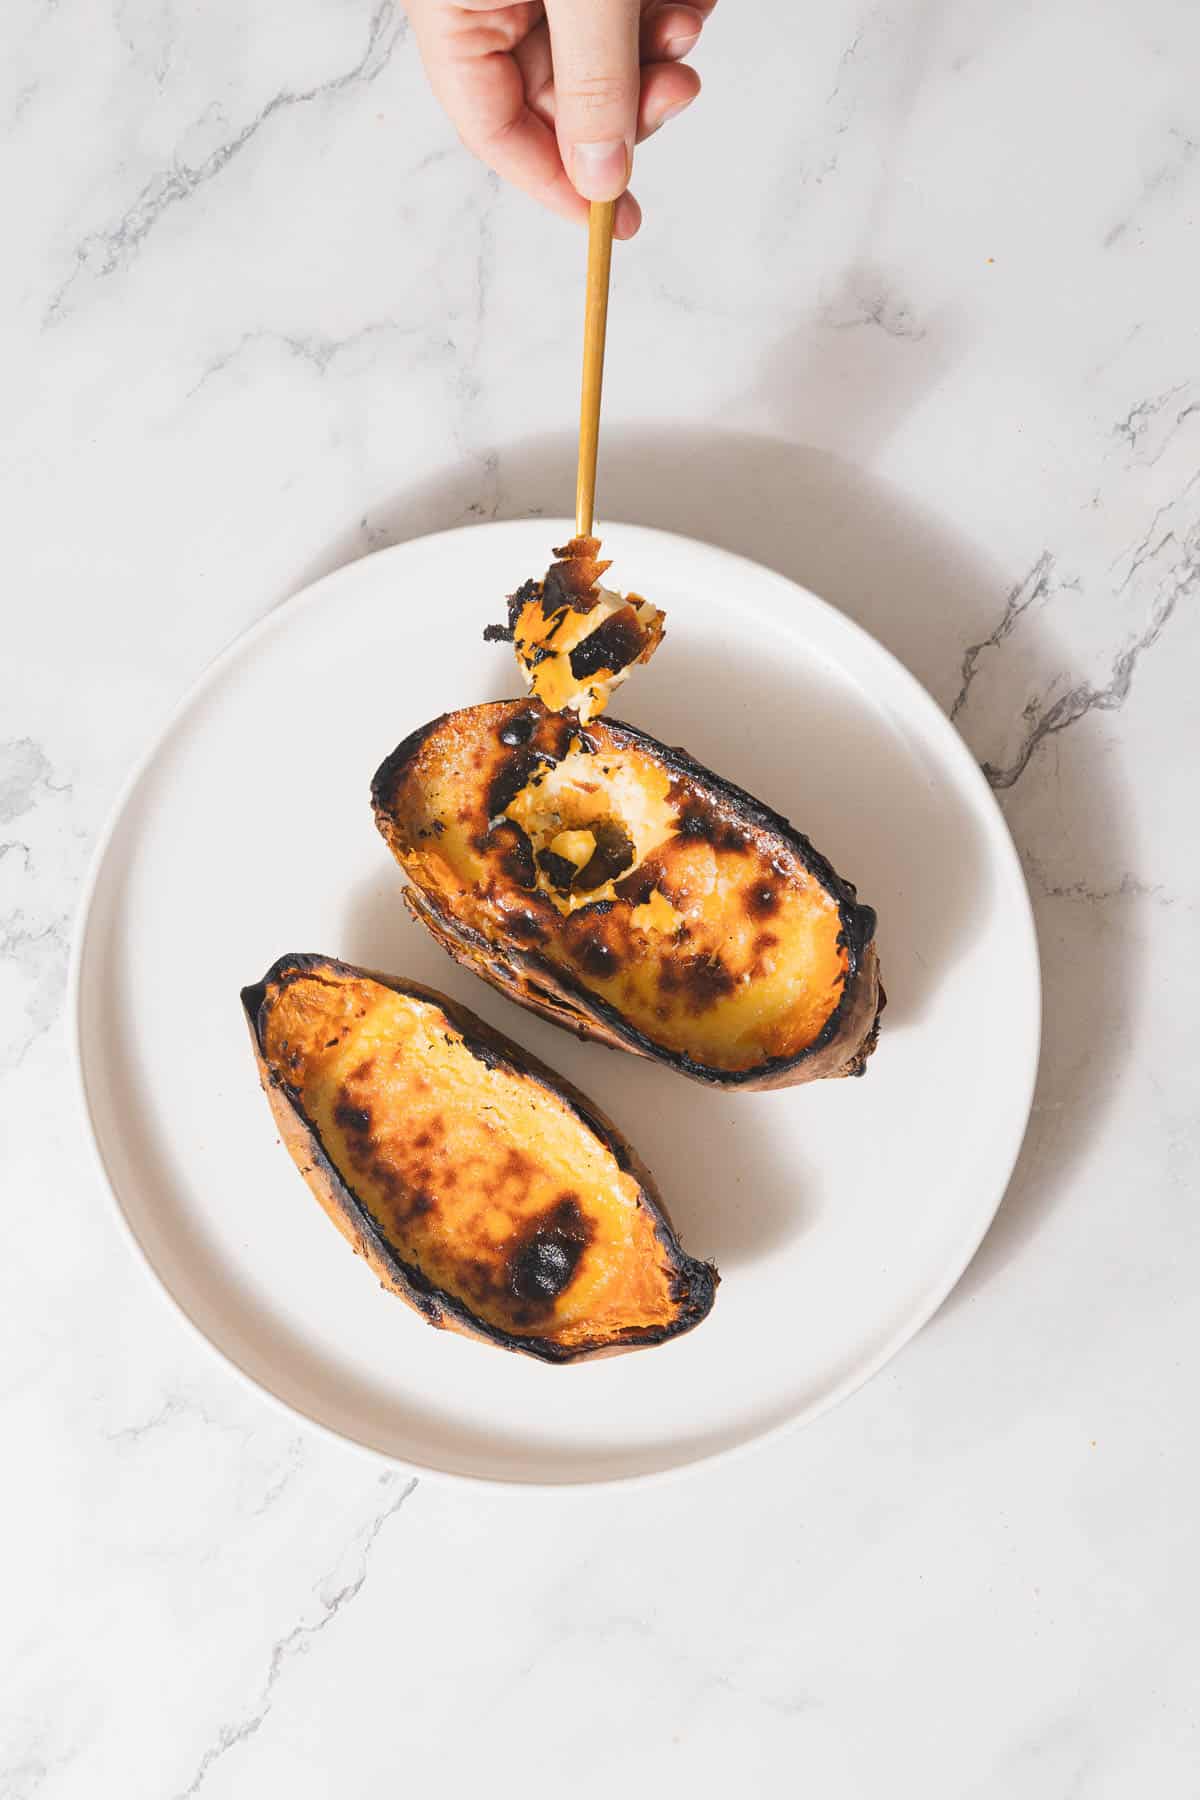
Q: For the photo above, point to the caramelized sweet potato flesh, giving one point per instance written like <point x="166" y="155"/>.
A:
<point x="464" y="1173"/>
<point x="688" y="912"/>
<point x="576" y="641"/>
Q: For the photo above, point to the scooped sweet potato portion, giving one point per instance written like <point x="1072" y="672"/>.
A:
<point x="618" y="887"/>
<point x="479" y="1187"/>
<point x="575" y="641"/>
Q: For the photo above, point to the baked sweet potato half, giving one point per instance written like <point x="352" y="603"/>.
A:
<point x="478" y="1185"/>
<point x="622" y="890"/>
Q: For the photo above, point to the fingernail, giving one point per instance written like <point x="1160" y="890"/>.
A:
<point x="600" y="171"/>
<point x="677" y="47"/>
<point x="672" y="112"/>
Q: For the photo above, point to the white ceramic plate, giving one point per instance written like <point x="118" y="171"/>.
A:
<point x="840" y="1214"/>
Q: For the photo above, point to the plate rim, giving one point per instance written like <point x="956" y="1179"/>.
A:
<point x="313" y="593"/>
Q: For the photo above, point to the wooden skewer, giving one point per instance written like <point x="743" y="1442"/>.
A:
<point x="595" y="322"/>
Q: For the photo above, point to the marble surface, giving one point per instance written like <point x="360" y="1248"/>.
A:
<point x="939" y="359"/>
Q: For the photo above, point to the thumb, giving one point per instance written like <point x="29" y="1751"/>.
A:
<point x="597" y="79"/>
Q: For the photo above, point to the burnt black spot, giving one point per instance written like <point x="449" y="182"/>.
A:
<point x="595" y="909"/>
<point x="541" y="1270"/>
<point x="761" y="899"/>
<point x="554" y="593"/>
<point x="355" y="1121"/>
<point x="514" y="854"/>
<point x="422" y="1202"/>
<point x="559" y="872"/>
<point x="695" y="821"/>
<point x="557" y="734"/>
<point x="699" y="818"/>
<point x="528" y="590"/>
<point x="332" y="1044"/>
<point x="517" y="861"/>
<point x="523" y="925"/>
<point x="504" y="634"/>
<point x="701" y="980"/>
<point x="509" y="779"/>
<point x="613" y="645"/>
<point x="518" y="730"/>
<point x="708" y="980"/>
<point x="637" y="888"/>
<point x="544" y="1261"/>
<point x="597" y="958"/>
<point x="612" y="856"/>
<point x="439" y="825"/>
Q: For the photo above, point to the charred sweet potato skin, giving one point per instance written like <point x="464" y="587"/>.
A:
<point x="509" y="1256"/>
<point x="761" y="971"/>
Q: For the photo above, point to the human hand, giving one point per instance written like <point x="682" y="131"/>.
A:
<point x="554" y="96"/>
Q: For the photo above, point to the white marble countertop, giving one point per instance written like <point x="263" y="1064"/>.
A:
<point x="940" y="361"/>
